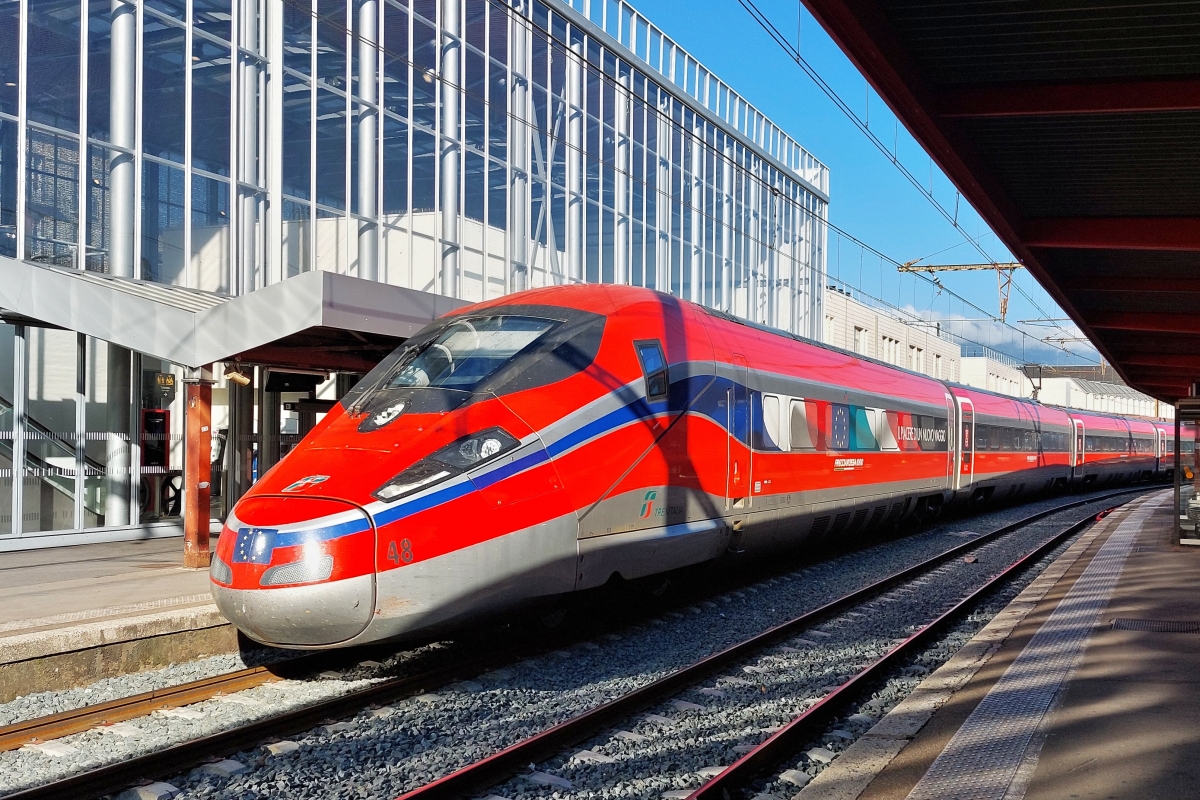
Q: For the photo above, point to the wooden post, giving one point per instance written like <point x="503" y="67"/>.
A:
<point x="197" y="470"/>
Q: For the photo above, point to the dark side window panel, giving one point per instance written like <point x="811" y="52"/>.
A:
<point x="839" y="428"/>
<point x="654" y="369"/>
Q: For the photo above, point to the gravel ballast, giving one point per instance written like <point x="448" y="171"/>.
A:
<point x="389" y="751"/>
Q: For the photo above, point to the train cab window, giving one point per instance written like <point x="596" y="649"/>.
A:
<point x="654" y="369"/>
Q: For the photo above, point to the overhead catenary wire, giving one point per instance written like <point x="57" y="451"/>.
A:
<point x="864" y="127"/>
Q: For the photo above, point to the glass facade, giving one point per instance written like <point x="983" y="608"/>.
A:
<point x="462" y="147"/>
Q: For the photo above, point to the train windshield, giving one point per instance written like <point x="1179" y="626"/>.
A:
<point x="467" y="351"/>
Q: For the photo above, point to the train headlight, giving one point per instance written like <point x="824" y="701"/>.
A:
<point x="457" y="457"/>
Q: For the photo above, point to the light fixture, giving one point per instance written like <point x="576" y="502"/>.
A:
<point x="237" y="376"/>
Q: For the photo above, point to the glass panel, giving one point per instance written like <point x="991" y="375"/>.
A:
<point x="213" y="16"/>
<point x="497" y="195"/>
<point x="49" y="470"/>
<point x="163" y="55"/>
<point x="297" y="137"/>
<point x="297" y="36"/>
<point x="475" y="132"/>
<point x="8" y="190"/>
<point x="210" y="234"/>
<point x="10" y="53"/>
<point x="53" y="63"/>
<point x="6" y="427"/>
<point x="473" y="186"/>
<point x="174" y="8"/>
<point x="160" y="432"/>
<point x="331" y="241"/>
<point x="498" y="109"/>
<point x="107" y="440"/>
<point x="53" y="199"/>
<point x="98" y="66"/>
<point x="424" y="168"/>
<point x="97" y="209"/>
<point x="395" y="60"/>
<point x="331" y="42"/>
<point x="210" y="106"/>
<point x="425" y="53"/>
<point x="296" y="237"/>
<point x="162" y="224"/>
<point x="331" y="149"/>
<point x="395" y="167"/>
<point x="10" y="31"/>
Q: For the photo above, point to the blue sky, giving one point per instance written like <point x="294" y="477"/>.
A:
<point x="870" y="198"/>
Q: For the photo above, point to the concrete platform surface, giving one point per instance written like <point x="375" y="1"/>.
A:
<point x="1118" y="716"/>
<point x="41" y="588"/>
<point x="73" y="615"/>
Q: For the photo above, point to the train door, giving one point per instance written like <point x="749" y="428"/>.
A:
<point x="1077" y="453"/>
<point x="951" y="450"/>
<point x="966" y="443"/>
<point x="737" y="405"/>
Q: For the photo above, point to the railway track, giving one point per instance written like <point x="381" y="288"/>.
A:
<point x="489" y="771"/>
<point x="486" y="773"/>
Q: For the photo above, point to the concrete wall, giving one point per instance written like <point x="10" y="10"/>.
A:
<point x="987" y="373"/>
<point x="1071" y="393"/>
<point x="860" y="328"/>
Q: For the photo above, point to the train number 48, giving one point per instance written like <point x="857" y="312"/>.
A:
<point x="404" y="553"/>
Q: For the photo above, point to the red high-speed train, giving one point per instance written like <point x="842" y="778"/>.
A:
<point x="551" y="440"/>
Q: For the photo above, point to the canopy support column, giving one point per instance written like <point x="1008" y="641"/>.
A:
<point x="197" y="469"/>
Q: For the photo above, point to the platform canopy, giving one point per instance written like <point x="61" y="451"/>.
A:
<point x="1074" y="128"/>
<point x="317" y="320"/>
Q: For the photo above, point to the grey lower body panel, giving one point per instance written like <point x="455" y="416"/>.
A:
<point x="502" y="573"/>
<point x="317" y="615"/>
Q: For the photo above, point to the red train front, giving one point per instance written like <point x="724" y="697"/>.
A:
<point x="556" y="439"/>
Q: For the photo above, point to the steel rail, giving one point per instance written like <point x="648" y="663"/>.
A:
<point x="179" y="758"/>
<point x="65" y="723"/>
<point x="810" y="724"/>
<point x="183" y="756"/>
<point x="487" y="772"/>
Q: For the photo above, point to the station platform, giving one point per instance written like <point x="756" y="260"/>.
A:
<point x="73" y="615"/>
<point x="1085" y="686"/>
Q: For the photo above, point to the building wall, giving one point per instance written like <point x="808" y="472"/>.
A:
<point x="463" y="147"/>
<point x="987" y="373"/>
<point x="1108" y="398"/>
<point x="855" y="326"/>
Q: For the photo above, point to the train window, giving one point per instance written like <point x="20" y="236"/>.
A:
<point x="981" y="437"/>
<point x="839" y="428"/>
<point x="801" y="437"/>
<point x="931" y="432"/>
<point x="770" y="437"/>
<point x="863" y="429"/>
<point x="654" y="368"/>
<point x="894" y="432"/>
<point x="1028" y="442"/>
<point x="467" y="351"/>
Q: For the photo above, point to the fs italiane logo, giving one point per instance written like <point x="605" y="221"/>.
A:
<point x="648" y="503"/>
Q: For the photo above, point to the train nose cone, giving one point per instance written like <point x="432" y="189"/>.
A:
<point x="296" y="572"/>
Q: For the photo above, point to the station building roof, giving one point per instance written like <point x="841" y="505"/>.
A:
<point x="1074" y="129"/>
<point x="319" y="320"/>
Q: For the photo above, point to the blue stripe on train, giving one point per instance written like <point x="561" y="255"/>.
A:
<point x="712" y="393"/>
